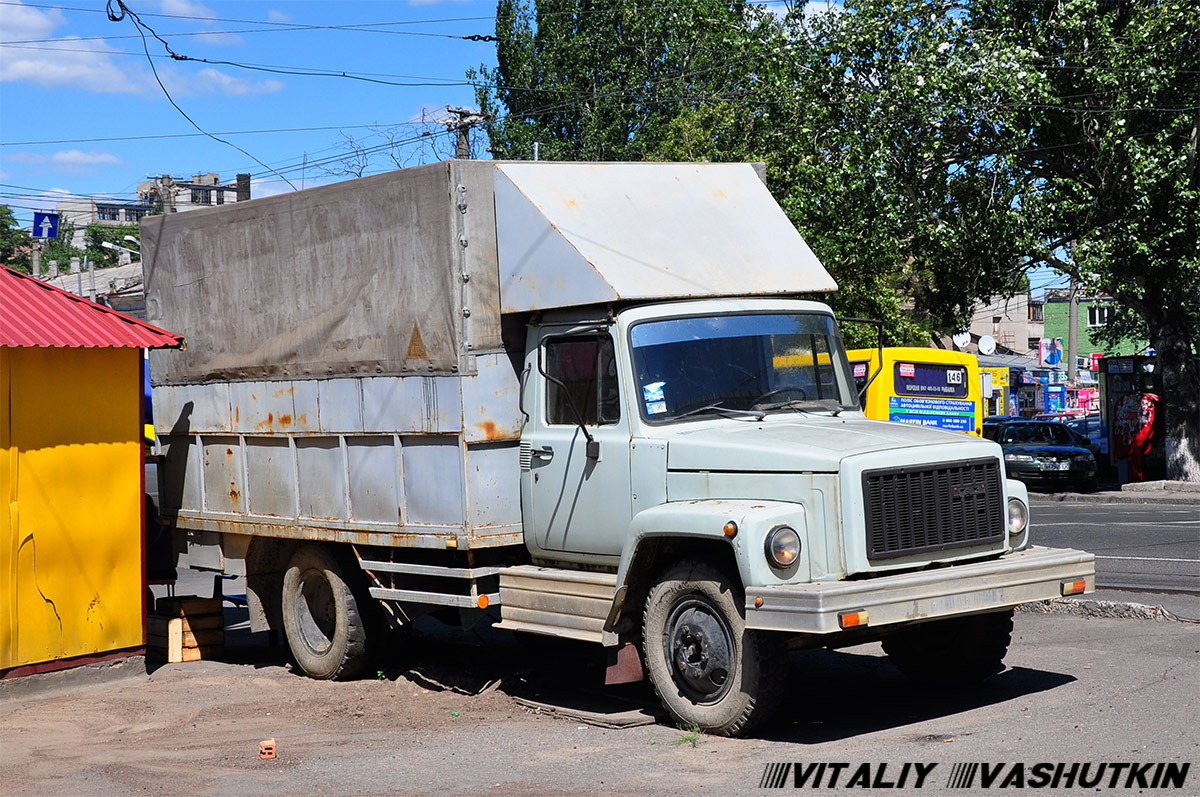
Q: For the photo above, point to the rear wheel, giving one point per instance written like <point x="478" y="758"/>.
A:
<point x="709" y="671"/>
<point x="957" y="651"/>
<point x="324" y="618"/>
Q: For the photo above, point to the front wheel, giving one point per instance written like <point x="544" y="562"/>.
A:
<point x="957" y="651"/>
<point x="709" y="671"/>
<point x="323" y="618"/>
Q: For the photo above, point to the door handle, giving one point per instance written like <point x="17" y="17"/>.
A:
<point x="545" y="453"/>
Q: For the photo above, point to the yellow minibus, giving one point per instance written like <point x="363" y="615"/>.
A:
<point x="926" y="387"/>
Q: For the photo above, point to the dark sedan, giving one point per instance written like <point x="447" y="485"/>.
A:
<point x="1044" y="454"/>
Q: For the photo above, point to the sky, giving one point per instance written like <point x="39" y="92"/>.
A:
<point x="82" y="113"/>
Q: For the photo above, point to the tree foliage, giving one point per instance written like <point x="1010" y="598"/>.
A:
<point x="15" y="243"/>
<point x="930" y="153"/>
<point x="603" y="80"/>
<point x="95" y="235"/>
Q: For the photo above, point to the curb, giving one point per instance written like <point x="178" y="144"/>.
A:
<point x="1140" y="498"/>
<point x="39" y="684"/>
<point x="1101" y="609"/>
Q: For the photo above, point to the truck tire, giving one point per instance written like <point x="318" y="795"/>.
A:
<point x="955" y="652"/>
<point x="322" y="616"/>
<point x="708" y="670"/>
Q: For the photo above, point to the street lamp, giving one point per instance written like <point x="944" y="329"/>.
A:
<point x="118" y="248"/>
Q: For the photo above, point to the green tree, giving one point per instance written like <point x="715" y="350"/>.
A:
<point x="1114" y="129"/>
<point x="96" y="234"/>
<point x="603" y="80"/>
<point x="15" y="243"/>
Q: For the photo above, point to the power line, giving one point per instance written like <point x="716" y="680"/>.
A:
<point x="203" y="135"/>
<point x="139" y="25"/>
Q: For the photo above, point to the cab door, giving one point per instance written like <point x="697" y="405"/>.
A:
<point x="579" y="499"/>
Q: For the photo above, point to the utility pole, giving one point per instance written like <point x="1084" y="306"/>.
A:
<point x="1073" y="333"/>
<point x="461" y="124"/>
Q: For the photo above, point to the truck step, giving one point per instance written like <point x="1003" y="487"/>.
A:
<point x="556" y="602"/>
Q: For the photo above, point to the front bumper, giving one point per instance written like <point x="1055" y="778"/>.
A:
<point x="1030" y="575"/>
<point x="1032" y="474"/>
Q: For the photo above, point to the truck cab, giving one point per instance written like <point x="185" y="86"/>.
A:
<point x="714" y="453"/>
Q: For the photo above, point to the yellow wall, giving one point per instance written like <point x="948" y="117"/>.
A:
<point x="70" y="503"/>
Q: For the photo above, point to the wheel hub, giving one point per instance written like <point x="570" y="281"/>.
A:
<point x="700" y="649"/>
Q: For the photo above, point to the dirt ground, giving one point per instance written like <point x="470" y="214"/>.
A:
<point x="456" y="714"/>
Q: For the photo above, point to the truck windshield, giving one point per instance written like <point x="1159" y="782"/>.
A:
<point x="741" y="363"/>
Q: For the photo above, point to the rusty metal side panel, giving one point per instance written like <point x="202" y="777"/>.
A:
<point x="491" y="400"/>
<point x="265" y="407"/>
<point x="365" y="455"/>
<point x="433" y="470"/>
<point x="339" y="405"/>
<point x="493" y="485"/>
<point x="224" y="487"/>
<point x="306" y="407"/>
<point x="270" y="477"/>
<point x="409" y="536"/>
<point x="180" y="474"/>
<point x="412" y="404"/>
<point x="188" y="409"/>
<point x="320" y="463"/>
<point x="373" y="464"/>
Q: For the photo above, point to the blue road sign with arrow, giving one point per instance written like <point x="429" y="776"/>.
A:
<point x="45" y="225"/>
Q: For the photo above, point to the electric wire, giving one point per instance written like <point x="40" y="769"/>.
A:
<point x="139" y="25"/>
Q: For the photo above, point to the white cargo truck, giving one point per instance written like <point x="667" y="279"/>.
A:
<point x="584" y="398"/>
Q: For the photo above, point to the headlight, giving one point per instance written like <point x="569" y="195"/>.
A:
<point x="1018" y="458"/>
<point x="783" y="546"/>
<point x="1083" y="459"/>
<point x="1018" y="516"/>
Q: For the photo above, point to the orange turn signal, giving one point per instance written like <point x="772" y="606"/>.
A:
<point x="730" y="529"/>
<point x="1074" y="587"/>
<point x="853" y="619"/>
<point x="482" y="601"/>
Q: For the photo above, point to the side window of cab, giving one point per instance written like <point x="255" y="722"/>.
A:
<point x="582" y="377"/>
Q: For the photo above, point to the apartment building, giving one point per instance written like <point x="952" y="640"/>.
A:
<point x="161" y="194"/>
<point x="1016" y="324"/>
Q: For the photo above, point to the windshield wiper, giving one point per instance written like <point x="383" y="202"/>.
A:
<point x="719" y="406"/>
<point x="803" y="404"/>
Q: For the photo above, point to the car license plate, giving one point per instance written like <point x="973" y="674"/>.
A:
<point x="1055" y="466"/>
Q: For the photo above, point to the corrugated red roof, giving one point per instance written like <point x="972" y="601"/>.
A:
<point x="33" y="313"/>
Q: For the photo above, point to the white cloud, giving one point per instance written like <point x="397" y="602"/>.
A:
<point x="277" y="16"/>
<point x="75" y="157"/>
<point x="214" y="81"/>
<point x="185" y="8"/>
<point x="20" y="22"/>
<point x="73" y="161"/>
<point x="63" y="65"/>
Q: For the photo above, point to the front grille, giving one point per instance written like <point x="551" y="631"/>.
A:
<point x="932" y="508"/>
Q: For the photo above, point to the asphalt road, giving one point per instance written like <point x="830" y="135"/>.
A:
<point x="447" y="717"/>
<point x="1138" y="547"/>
